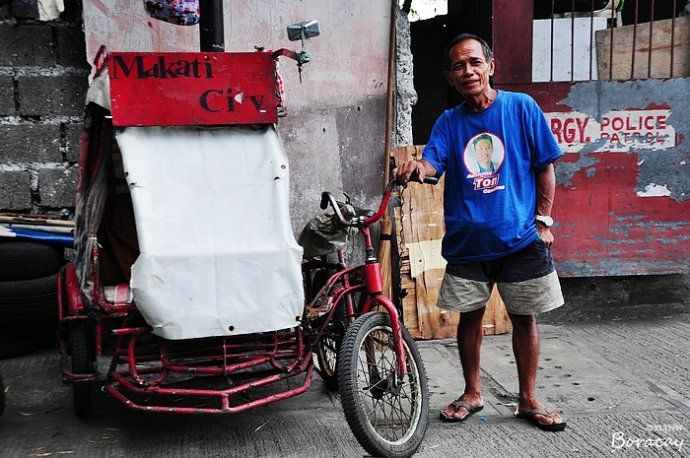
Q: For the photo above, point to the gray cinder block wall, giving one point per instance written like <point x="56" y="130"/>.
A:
<point x="43" y="81"/>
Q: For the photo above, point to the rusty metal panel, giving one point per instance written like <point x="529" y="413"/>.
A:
<point x="623" y="197"/>
<point x="512" y="38"/>
<point x="182" y="89"/>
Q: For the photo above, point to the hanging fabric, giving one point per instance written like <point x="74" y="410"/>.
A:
<point x="180" y="12"/>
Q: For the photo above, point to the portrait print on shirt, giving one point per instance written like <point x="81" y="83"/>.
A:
<point x="483" y="157"/>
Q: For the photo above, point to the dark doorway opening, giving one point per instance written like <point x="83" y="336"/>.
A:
<point x="429" y="39"/>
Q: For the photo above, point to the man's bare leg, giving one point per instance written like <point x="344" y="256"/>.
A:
<point x="526" y="349"/>
<point x="469" y="346"/>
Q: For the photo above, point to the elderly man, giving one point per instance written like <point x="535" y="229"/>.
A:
<point x="497" y="215"/>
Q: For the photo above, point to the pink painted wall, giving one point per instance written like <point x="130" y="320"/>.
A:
<point x="334" y="132"/>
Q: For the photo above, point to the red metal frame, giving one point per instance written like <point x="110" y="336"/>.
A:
<point x="145" y="366"/>
<point x="216" y="357"/>
<point x="373" y="281"/>
<point x="72" y="289"/>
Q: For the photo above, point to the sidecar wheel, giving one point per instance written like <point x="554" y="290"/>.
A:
<point x="81" y="364"/>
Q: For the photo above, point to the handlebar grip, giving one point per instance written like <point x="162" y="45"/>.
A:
<point x="415" y="177"/>
<point x="324" y="200"/>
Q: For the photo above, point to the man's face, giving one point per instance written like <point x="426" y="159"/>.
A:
<point x="469" y="71"/>
<point x="483" y="150"/>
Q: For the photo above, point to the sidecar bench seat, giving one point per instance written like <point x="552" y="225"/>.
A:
<point x="118" y="298"/>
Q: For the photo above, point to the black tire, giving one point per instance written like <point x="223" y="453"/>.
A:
<point x="356" y="384"/>
<point x="14" y="342"/>
<point x="79" y="343"/>
<point x="27" y="260"/>
<point x="329" y="344"/>
<point x="11" y="347"/>
<point x="327" y="349"/>
<point x="2" y="396"/>
<point x="29" y="302"/>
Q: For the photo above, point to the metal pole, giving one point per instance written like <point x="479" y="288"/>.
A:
<point x="211" y="33"/>
<point x="390" y="107"/>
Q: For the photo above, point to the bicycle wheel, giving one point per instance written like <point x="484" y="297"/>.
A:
<point x="386" y="419"/>
<point x="329" y="344"/>
<point x="327" y="357"/>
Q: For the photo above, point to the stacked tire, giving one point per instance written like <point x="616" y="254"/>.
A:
<point x="2" y="396"/>
<point x="28" y="296"/>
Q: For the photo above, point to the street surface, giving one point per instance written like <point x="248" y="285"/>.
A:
<point x="618" y="383"/>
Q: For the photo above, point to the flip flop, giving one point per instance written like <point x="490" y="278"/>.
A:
<point x="531" y="418"/>
<point x="471" y="410"/>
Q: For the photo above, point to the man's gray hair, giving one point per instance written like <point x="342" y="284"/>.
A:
<point x="486" y="49"/>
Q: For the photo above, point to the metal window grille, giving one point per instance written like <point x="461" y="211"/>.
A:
<point x="581" y="40"/>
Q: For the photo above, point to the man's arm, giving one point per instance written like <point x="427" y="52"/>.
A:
<point x="546" y="189"/>
<point x="404" y="171"/>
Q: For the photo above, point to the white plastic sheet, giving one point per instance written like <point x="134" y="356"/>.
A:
<point x="49" y="10"/>
<point x="218" y="255"/>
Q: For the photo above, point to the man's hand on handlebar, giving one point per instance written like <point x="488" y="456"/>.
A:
<point x="417" y="170"/>
<point x="413" y="170"/>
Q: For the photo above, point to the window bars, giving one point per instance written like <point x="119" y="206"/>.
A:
<point x="609" y="39"/>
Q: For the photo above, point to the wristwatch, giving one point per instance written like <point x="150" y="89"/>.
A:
<point x="545" y="220"/>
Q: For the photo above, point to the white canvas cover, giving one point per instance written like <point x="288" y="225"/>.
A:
<point x="218" y="255"/>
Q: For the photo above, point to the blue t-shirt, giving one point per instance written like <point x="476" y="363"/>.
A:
<point x="490" y="159"/>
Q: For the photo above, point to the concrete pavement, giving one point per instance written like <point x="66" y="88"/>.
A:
<point x="618" y="383"/>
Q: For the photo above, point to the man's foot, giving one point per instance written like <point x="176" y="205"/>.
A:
<point x="537" y="415"/>
<point x="462" y="408"/>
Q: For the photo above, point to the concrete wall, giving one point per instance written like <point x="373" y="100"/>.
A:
<point x="594" y="298"/>
<point x="334" y="131"/>
<point x="42" y="84"/>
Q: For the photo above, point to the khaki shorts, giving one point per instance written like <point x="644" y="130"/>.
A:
<point x="527" y="282"/>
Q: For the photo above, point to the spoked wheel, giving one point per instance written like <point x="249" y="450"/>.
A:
<point x="387" y="418"/>
<point x="81" y="364"/>
<point x="327" y="357"/>
<point x="328" y="347"/>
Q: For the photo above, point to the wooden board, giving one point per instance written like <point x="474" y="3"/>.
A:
<point x="622" y="62"/>
<point x="420" y="228"/>
<point x="35" y="220"/>
<point x="385" y="255"/>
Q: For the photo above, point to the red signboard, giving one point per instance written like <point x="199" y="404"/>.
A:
<point x="185" y="89"/>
